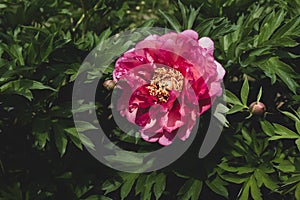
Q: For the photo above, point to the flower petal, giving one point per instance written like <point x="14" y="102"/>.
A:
<point x="207" y="43"/>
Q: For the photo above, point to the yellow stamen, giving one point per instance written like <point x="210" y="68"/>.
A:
<point x="163" y="81"/>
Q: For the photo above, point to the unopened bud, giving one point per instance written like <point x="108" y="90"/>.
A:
<point x="257" y="108"/>
<point x="109" y="84"/>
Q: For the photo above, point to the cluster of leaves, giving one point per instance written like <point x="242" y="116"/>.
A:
<point x="42" y="47"/>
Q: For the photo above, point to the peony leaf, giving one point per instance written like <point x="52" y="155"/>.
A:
<point x="235" y="109"/>
<point x="244" y="192"/>
<point x="232" y="98"/>
<point x="218" y="186"/>
<point x="297" y="142"/>
<point x="172" y="20"/>
<point x="60" y="139"/>
<point x="23" y="87"/>
<point x="190" y="190"/>
<point x="129" y="180"/>
<point x="298" y="127"/>
<point x="266" y="180"/>
<point x="245" y="91"/>
<point x="97" y="197"/>
<point x="259" y="94"/>
<point x="269" y="25"/>
<point x="159" y="185"/>
<point x="74" y="136"/>
<point x="183" y="11"/>
<point x="282" y="130"/>
<point x="111" y="185"/>
<point x="255" y="191"/>
<point x="291" y="28"/>
<point x="193" y="14"/>
<point x="297" y="192"/>
<point x="267" y="127"/>
<point x="291" y="116"/>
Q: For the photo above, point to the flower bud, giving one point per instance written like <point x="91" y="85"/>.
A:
<point x="257" y="108"/>
<point x="109" y="84"/>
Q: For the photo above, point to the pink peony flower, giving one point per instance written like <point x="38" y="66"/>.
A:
<point x="167" y="82"/>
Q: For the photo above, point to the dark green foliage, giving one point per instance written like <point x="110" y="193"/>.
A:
<point x="42" y="45"/>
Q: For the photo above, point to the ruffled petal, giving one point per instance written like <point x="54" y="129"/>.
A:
<point x="207" y="43"/>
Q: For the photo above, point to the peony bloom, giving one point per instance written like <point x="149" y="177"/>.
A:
<point x="166" y="83"/>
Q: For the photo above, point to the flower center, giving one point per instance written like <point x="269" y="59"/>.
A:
<point x="164" y="80"/>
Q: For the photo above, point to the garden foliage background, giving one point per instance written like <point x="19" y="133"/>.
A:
<point x="43" y="43"/>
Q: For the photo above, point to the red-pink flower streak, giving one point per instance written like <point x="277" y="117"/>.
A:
<point x="161" y="117"/>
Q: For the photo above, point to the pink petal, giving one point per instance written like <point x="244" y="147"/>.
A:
<point x="220" y="70"/>
<point x="207" y="43"/>
<point x="166" y="139"/>
<point x="190" y="33"/>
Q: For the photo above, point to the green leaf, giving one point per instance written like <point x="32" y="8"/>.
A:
<point x="148" y="23"/>
<point x="111" y="185"/>
<point x="259" y="94"/>
<point x="283" y="133"/>
<point x="255" y="191"/>
<point x="292" y="180"/>
<point x="66" y="175"/>
<point x="246" y="136"/>
<point x="298" y="127"/>
<point x="11" y="192"/>
<point x="282" y="130"/>
<point x="15" y="52"/>
<point x="266" y="180"/>
<point x="82" y="126"/>
<point x="297" y="142"/>
<point x="150" y="180"/>
<point x="41" y="139"/>
<point x="172" y="20"/>
<point x="47" y="47"/>
<point x="86" y="141"/>
<point x="291" y="116"/>
<point x="283" y="42"/>
<point x="60" y="139"/>
<point x="193" y="14"/>
<point x="23" y="87"/>
<point x="104" y="35"/>
<point x="291" y="28"/>
<point x="74" y="136"/>
<point x="286" y="166"/>
<point x="183" y="11"/>
<point x="41" y="129"/>
<point x="297" y="192"/>
<point x="244" y="170"/>
<point x="218" y="186"/>
<point x="234" y="178"/>
<point x="232" y="98"/>
<point x="267" y="127"/>
<point x="130" y="159"/>
<point x="140" y="184"/>
<point x="269" y="25"/>
<point x="221" y="117"/>
<point x="190" y="190"/>
<point x="159" y="185"/>
<point x="245" y="91"/>
<point x="244" y="193"/>
<point x="235" y="108"/>
<point x="205" y="27"/>
<point x="226" y="167"/>
<point x="274" y="67"/>
<point x="97" y="197"/>
<point x="129" y="180"/>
